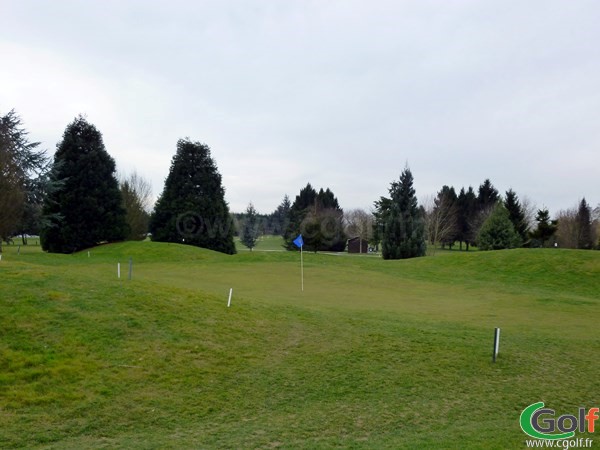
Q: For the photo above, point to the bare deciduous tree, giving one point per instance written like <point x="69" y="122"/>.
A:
<point x="441" y="220"/>
<point x="359" y="223"/>
<point x="137" y="200"/>
<point x="566" y="233"/>
<point x="529" y="210"/>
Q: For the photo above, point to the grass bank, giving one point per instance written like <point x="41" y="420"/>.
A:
<point x="373" y="354"/>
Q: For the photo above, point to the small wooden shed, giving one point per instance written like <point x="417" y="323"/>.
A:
<point x="358" y="245"/>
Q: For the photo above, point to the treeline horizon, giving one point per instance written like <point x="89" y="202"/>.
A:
<point x="74" y="200"/>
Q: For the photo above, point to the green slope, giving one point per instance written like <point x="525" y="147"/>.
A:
<point x="373" y="354"/>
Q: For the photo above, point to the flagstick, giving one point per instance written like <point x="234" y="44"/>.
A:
<point x="302" y="267"/>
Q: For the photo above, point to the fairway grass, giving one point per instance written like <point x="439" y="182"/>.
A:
<point x="373" y="353"/>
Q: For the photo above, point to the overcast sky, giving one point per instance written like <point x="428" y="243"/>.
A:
<point x="341" y="94"/>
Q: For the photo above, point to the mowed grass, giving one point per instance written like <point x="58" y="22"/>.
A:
<point x="373" y="353"/>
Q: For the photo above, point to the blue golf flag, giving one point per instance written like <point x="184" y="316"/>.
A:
<point x="298" y="242"/>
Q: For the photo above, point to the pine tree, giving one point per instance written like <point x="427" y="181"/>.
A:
<point x="403" y="235"/>
<point x="498" y="232"/>
<point x="280" y="218"/>
<point x="584" y="226"/>
<point x="86" y="207"/>
<point x="516" y="214"/>
<point x="192" y="208"/>
<point x="545" y="228"/>
<point x="250" y="227"/>
<point x="488" y="196"/>
<point x="467" y="211"/>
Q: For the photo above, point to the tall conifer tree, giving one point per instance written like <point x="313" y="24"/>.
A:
<point x="250" y="229"/>
<point x="584" y="226"/>
<point x="84" y="208"/>
<point x="404" y="231"/>
<point x="516" y="214"/>
<point x="192" y="207"/>
<point x="467" y="211"/>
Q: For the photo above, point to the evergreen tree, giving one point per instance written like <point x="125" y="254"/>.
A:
<point x="281" y="217"/>
<point x="381" y="212"/>
<point x="498" y="232"/>
<point x="192" y="208"/>
<point x="85" y="208"/>
<point x="319" y="218"/>
<point x="488" y="196"/>
<point x="304" y="202"/>
<point x="404" y="231"/>
<point x="584" y="226"/>
<point x="22" y="168"/>
<point x="467" y="211"/>
<point x="545" y="228"/>
<point x="250" y="227"/>
<point x="516" y="214"/>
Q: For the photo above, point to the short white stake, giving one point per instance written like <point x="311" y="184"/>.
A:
<point x="118" y="270"/>
<point x="496" y="343"/>
<point x="229" y="301"/>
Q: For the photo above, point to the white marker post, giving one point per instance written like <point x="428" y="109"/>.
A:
<point x="118" y="270"/>
<point x="229" y="301"/>
<point x="496" y="343"/>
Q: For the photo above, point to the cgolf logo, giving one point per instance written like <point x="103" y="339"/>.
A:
<point x="540" y="423"/>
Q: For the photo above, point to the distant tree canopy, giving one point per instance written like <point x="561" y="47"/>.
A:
<point x="22" y="179"/>
<point x="192" y="208"/>
<point x="319" y="218"/>
<point x="404" y="228"/>
<point x="85" y="207"/>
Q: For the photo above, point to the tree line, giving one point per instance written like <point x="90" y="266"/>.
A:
<point x="401" y="228"/>
<point x="76" y="200"/>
